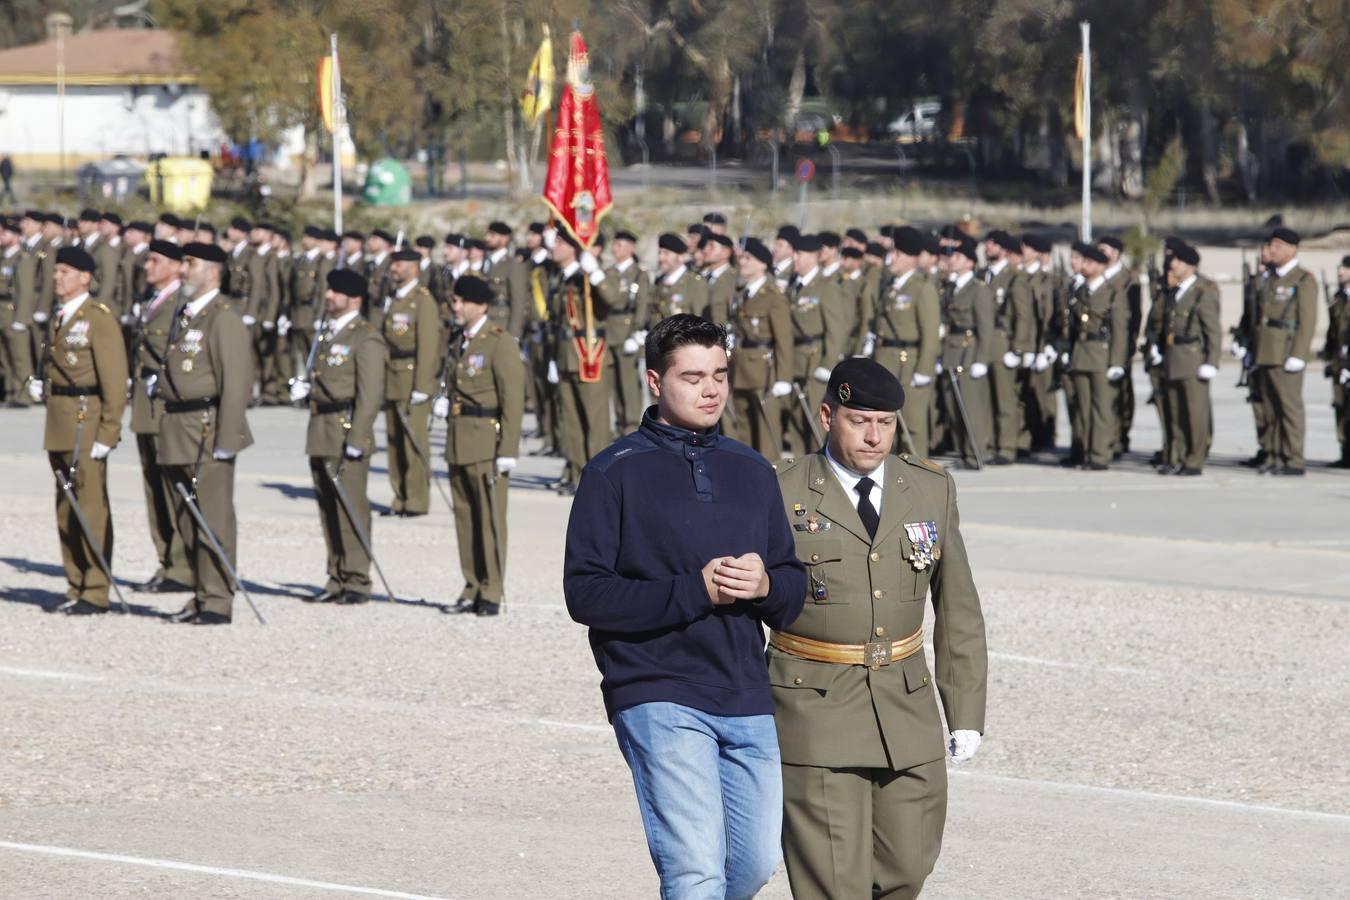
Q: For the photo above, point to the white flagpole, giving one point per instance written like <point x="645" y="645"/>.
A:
<point x="339" y="137"/>
<point x="1086" y="229"/>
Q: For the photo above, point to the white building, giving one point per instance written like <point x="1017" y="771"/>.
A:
<point x="126" y="92"/>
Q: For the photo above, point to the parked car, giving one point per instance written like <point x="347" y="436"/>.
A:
<point x="918" y="123"/>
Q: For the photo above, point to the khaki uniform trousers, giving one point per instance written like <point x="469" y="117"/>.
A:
<point x="859" y="833"/>
<point x="583" y="419"/>
<point x="215" y="498"/>
<point x="627" y="383"/>
<point x="409" y="474"/>
<point x="1093" y="413"/>
<point x="16" y="359"/>
<point x="479" y="497"/>
<point x="976" y="394"/>
<point x="1004" y="395"/>
<point x="1187" y="407"/>
<point x="84" y="579"/>
<point x="159" y="510"/>
<point x="1282" y="399"/>
<point x="757" y="418"/>
<point x="348" y="562"/>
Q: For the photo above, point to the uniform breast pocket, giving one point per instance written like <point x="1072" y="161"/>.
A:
<point x="823" y="558"/>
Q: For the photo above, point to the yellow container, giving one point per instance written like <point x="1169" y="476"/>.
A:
<point x="180" y="184"/>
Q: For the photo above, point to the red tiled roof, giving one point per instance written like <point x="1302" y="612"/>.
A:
<point x="111" y="56"/>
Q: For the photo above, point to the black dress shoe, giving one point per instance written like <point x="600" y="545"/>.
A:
<point x="184" y="616"/>
<point x="1267" y="469"/>
<point x="1169" y="469"/>
<point x="388" y="511"/>
<point x="1096" y="467"/>
<point x="465" y="605"/>
<point x="325" y="597"/>
<point x="1000" y="461"/>
<point x="83" y="608"/>
<point x="412" y="514"/>
<point x="1256" y="461"/>
<point x="487" y="608"/>
<point x="1156" y="459"/>
<point x="210" y="618"/>
<point x="1189" y="472"/>
<point x="161" y="585"/>
<point x="1289" y="471"/>
<point x="352" y="598"/>
<point x="1071" y="462"/>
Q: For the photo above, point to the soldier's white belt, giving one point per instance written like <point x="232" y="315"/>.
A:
<point x="873" y="654"/>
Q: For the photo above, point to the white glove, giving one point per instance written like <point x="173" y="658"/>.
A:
<point x="869" y="344"/>
<point x="1115" y="373"/>
<point x="152" y="386"/>
<point x="780" y="389"/>
<point x="920" y="380"/>
<point x="440" y="407"/>
<point x="937" y="368"/>
<point x="1011" y="360"/>
<point x="630" y="347"/>
<point x="249" y="321"/>
<point x="1294" y="365"/>
<point x="35" y="390"/>
<point x="1206" y="372"/>
<point x="99" y="451"/>
<point x="1155" y="357"/>
<point x="283" y="325"/>
<point x="640" y="337"/>
<point x="1064" y="359"/>
<point x="1041" y="362"/>
<point x="1028" y="359"/>
<point x="963" y="745"/>
<point x="1238" y="350"/>
<point x="978" y="370"/>
<point x="550" y="236"/>
<point x="1050" y="354"/>
<point x="222" y="455"/>
<point x="505" y="464"/>
<point x="19" y="326"/>
<point x="417" y="398"/>
<point x="39" y="317"/>
<point x="352" y="453"/>
<point x="299" y="390"/>
<point x="552" y="376"/>
<point x="731" y="341"/>
<point x="588" y="263"/>
<point x="1344" y="378"/>
<point x="126" y="319"/>
<point x="822" y="374"/>
<point x="269" y="326"/>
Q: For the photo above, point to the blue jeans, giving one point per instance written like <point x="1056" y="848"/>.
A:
<point x="710" y="789"/>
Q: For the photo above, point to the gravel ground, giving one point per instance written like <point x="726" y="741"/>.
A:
<point x="1169" y="679"/>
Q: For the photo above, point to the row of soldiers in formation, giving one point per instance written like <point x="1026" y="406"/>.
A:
<point x="484" y="333"/>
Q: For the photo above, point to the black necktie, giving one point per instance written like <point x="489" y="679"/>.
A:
<point x="866" y="511"/>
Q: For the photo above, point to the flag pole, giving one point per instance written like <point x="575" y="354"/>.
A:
<point x="1086" y="228"/>
<point x="339" y="136"/>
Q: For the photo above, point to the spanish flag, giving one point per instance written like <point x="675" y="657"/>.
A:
<point x="538" y="93"/>
<point x="328" y="92"/>
<point x="1080" y="100"/>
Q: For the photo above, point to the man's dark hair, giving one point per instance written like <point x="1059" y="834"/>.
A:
<point x="678" y="331"/>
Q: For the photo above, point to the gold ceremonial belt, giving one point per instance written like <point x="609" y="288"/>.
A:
<point x="873" y="654"/>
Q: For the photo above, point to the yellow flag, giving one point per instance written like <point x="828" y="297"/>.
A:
<point x="538" y="94"/>
<point x="1080" y="101"/>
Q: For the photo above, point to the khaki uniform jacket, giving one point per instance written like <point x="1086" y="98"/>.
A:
<point x="861" y="590"/>
<point x="571" y="290"/>
<point x="211" y="355"/>
<point x="1192" y="330"/>
<point x="968" y="315"/>
<point x="1013" y="314"/>
<point x="264" y="296"/>
<point x="131" y="277"/>
<point x="103" y="288"/>
<point x="819" y="311"/>
<point x="1041" y="286"/>
<point x="238" y="273"/>
<point x="307" y="291"/>
<point x="28" y="267"/>
<point x="152" y="341"/>
<point x="632" y="291"/>
<point x="87" y="350"/>
<point x="687" y="294"/>
<point x="762" y="328"/>
<point x="486" y="374"/>
<point x="10" y="259"/>
<point x="46" y="284"/>
<point x="721" y="294"/>
<point x="910" y="314"/>
<point x="861" y="307"/>
<point x="348" y="367"/>
<point x="1291" y="303"/>
<point x="1099" y="328"/>
<point x="411" y="327"/>
<point x="510" y="282"/>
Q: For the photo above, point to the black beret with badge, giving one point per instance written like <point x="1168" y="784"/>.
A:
<point x="1187" y="254"/>
<point x="167" y="249"/>
<point x="205" y="252"/>
<point x="908" y="240"/>
<point x="1037" y="242"/>
<point x="1288" y="235"/>
<point x="672" y="242"/>
<point x="756" y="249"/>
<point x="862" y="383"/>
<point x="499" y="228"/>
<point x="407" y="254"/>
<point x="348" y="282"/>
<point x="473" y="289"/>
<point x="76" y="258"/>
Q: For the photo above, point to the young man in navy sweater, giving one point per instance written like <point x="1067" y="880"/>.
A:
<point x="678" y="552"/>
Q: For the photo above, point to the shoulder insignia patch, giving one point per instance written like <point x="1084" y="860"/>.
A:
<point x="102" y="307"/>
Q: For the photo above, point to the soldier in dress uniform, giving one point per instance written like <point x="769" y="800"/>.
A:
<point x="1013" y="340"/>
<point x="1191" y="340"/>
<point x="1126" y="286"/>
<point x="483" y="401"/>
<point x="509" y="279"/>
<point x="761" y="353"/>
<point x="264" y="305"/>
<point x="345" y="390"/>
<point x="154" y="319"/>
<point x="632" y="288"/>
<point x="412" y="331"/>
<point x="679" y="289"/>
<point x="863" y="749"/>
<point x="429" y="274"/>
<point x="1039" y="400"/>
<point x="204" y="388"/>
<point x="306" y="291"/>
<point x="21" y="334"/>
<point x="538" y="351"/>
<point x="821" y="325"/>
<point x="1098" y="331"/>
<point x="720" y="275"/>
<point x="904" y="332"/>
<point x="784" y="248"/>
<point x="1161" y="287"/>
<point x="131" y="273"/>
<point x="103" y="287"/>
<point x="285" y="345"/>
<point x="352" y="253"/>
<point x="379" y="259"/>
<point x="1336" y="354"/>
<point x="84" y="372"/>
<point x="14" y="361"/>
<point x="968" y="316"/>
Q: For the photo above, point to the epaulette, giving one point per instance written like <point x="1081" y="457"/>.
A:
<point x="786" y="463"/>
<point x="925" y="464"/>
<point x="102" y="307"/>
<point x="497" y="329"/>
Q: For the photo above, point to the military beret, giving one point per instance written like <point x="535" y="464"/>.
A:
<point x="1345" y="262"/>
<point x="382" y="235"/>
<point x="328" y="234"/>
<point x="239" y="223"/>
<point x="347" y="281"/>
<point x="283" y="233"/>
<point x="755" y="247"/>
<point x="1187" y="254"/>
<point x="207" y="227"/>
<point x="788" y="233"/>
<point x="932" y="243"/>
<point x="265" y="226"/>
<point x="76" y="258"/>
<point x="908" y="240"/>
<point x="1000" y="238"/>
<point x="967" y="248"/>
<point x="454" y="240"/>
<point x="886" y="231"/>
<point x="829" y="238"/>
<point x="11" y="224"/>
<point x="499" y="228"/>
<point x="1089" y="251"/>
<point x="807" y="243"/>
<point x="353" y="235"/>
<point x="713" y="238"/>
<point x="874" y="248"/>
<point x="1111" y="241"/>
<point x="951" y="233"/>
<point x="205" y="252"/>
<point x="624" y="235"/>
<point x="563" y="235"/>
<point x="54" y="218"/>
<point x="1038" y="242"/>
<point x="477" y="244"/>
<point x="473" y="289"/>
<point x="856" y="234"/>
<point x="862" y="383"/>
<point x="536" y="228"/>
<point x="407" y="254"/>
<point x="90" y="215"/>
<point x="311" y="231"/>
<point x="714" y="218"/>
<point x="425" y="240"/>
<point x="167" y="249"/>
<point x="1171" y="243"/>
<point x="170" y="219"/>
<point x="36" y="215"/>
<point x="694" y="228"/>
<point x="141" y="226"/>
<point x="851" y="253"/>
<point x="672" y="242"/>
<point x="112" y="219"/>
<point x="1288" y="235"/>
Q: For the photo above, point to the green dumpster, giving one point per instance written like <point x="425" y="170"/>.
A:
<point x="387" y="184"/>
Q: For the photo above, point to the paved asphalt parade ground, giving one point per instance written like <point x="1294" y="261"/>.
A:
<point x="1168" y="706"/>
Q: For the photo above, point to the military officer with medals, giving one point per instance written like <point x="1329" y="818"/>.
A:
<point x="284" y="352"/>
<point x="15" y="365"/>
<point x="761" y="364"/>
<point x="264" y="305"/>
<point x="83" y="377"/>
<point x="905" y="333"/>
<point x="968" y="317"/>
<point x="1336" y="355"/>
<point x="1012" y="341"/>
<point x="154" y="320"/>
<point x="632" y="289"/>
<point x="1190" y="341"/>
<point x="721" y="277"/>
<point x="509" y="280"/>
<point x="1098" y="332"/>
<point x="1040" y="403"/>
<point x="21" y="335"/>
<point x="378" y="271"/>
<point x="483" y="403"/>
<point x="821" y="326"/>
<point x="783" y="249"/>
<point x="856" y="706"/>
<point x="204" y="387"/>
<point x="306" y="291"/>
<point x="345" y="391"/>
<point x="678" y="289"/>
<point x="411" y="327"/>
<point x="1128" y="294"/>
<point x="103" y="286"/>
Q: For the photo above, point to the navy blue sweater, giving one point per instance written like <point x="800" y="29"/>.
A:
<point x="649" y="513"/>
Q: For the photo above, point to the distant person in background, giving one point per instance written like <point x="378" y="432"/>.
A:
<point x="6" y="176"/>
